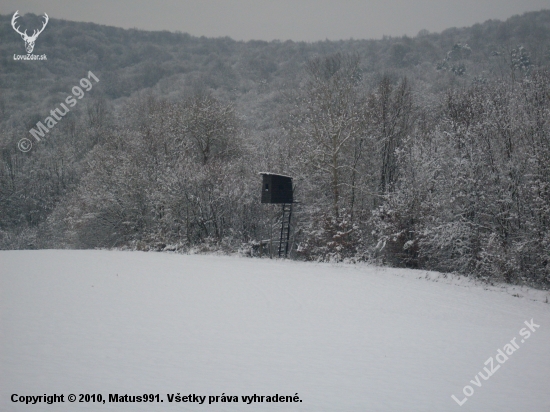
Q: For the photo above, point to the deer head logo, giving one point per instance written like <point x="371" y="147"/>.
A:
<point x="29" y="40"/>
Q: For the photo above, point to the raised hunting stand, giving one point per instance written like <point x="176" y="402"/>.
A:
<point x="278" y="189"/>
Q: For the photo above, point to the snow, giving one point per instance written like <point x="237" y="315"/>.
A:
<point x="273" y="174"/>
<point x="344" y="337"/>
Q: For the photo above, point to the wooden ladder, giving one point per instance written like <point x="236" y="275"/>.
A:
<point x="285" y="229"/>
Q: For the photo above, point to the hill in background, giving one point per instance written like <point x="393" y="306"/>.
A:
<point x="173" y="64"/>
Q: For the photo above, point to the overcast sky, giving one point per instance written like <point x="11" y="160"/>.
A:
<point x="308" y="20"/>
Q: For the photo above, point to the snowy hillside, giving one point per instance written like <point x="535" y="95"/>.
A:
<point x="343" y="338"/>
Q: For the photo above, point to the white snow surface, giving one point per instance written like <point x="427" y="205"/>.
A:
<point x="343" y="337"/>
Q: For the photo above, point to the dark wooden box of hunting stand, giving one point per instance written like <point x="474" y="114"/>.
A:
<point x="276" y="188"/>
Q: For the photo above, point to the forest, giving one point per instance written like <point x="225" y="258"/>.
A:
<point x="428" y="152"/>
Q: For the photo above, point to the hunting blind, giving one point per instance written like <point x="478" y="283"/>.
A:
<point x="277" y="189"/>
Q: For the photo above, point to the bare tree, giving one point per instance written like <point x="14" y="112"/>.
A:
<point x="391" y="117"/>
<point x="211" y="125"/>
<point x="333" y="121"/>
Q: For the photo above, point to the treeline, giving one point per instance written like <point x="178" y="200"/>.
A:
<point x="408" y="165"/>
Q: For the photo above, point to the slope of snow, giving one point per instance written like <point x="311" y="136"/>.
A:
<point x="344" y="338"/>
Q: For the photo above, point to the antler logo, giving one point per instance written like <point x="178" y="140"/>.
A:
<point x="29" y="40"/>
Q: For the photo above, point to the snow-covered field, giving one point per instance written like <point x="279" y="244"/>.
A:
<point x="344" y="338"/>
